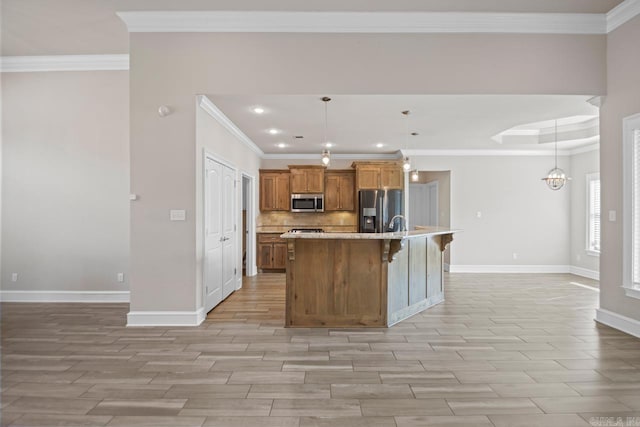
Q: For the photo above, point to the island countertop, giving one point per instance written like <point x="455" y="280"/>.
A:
<point x="422" y="231"/>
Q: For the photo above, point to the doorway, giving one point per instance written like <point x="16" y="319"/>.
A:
<point x="423" y="204"/>
<point x="219" y="232"/>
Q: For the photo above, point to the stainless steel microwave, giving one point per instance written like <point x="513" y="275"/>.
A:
<point x="307" y="203"/>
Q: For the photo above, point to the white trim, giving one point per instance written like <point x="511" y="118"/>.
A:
<point x="25" y="64"/>
<point x="362" y="22"/>
<point x="618" y="321"/>
<point x="251" y="268"/>
<point x="166" y="318"/>
<point x="632" y="292"/>
<point x="457" y="268"/>
<point x="622" y="13"/>
<point x="210" y="108"/>
<point x="584" y="272"/>
<point x="628" y="125"/>
<point x="483" y="152"/>
<point x="64" y="296"/>
<point x="335" y="156"/>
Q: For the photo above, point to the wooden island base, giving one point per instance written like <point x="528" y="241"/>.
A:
<point x="363" y="280"/>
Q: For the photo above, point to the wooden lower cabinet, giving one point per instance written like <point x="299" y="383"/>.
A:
<point x="272" y="252"/>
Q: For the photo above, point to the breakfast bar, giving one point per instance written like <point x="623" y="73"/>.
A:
<point x="363" y="279"/>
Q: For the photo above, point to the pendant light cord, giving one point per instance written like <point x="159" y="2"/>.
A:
<point x="556" y="139"/>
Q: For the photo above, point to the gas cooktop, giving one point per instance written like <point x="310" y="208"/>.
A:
<point x="306" y="230"/>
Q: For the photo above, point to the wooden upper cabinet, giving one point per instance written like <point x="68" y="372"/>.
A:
<point x="392" y="177"/>
<point x="374" y="175"/>
<point x="339" y="191"/>
<point x="274" y="190"/>
<point x="307" y="179"/>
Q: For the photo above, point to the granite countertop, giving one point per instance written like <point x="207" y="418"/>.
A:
<point x="422" y="231"/>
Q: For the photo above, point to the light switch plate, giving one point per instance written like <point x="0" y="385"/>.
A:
<point x="612" y="216"/>
<point x="177" y="215"/>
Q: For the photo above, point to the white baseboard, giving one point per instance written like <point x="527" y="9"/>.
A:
<point x="509" y="268"/>
<point x="618" y="321"/>
<point x="166" y="318"/>
<point x="584" y="272"/>
<point x="64" y="296"/>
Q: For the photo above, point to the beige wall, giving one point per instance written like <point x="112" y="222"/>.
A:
<point x="65" y="173"/>
<point x="518" y="212"/>
<point x="623" y="99"/>
<point x="225" y="148"/>
<point x="172" y="68"/>
<point x="582" y="165"/>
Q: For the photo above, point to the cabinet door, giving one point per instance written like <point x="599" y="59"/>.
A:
<point x="265" y="255"/>
<point x="298" y="181"/>
<point x="279" y="255"/>
<point x="368" y="178"/>
<point x="283" y="195"/>
<point x="315" y="180"/>
<point x="332" y="193"/>
<point x="347" y="196"/>
<point x="268" y="192"/>
<point x="392" y="177"/>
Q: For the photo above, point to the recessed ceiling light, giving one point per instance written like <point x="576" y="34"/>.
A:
<point x="258" y="110"/>
<point x="379" y="145"/>
<point x="274" y="131"/>
<point x="281" y="145"/>
<point x="328" y="144"/>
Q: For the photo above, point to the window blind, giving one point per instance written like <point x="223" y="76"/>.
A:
<point x="594" y="214"/>
<point x="636" y="208"/>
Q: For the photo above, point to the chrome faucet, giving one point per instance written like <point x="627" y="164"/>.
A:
<point x="403" y="224"/>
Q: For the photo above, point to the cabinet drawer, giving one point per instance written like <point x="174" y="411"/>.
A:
<point x="269" y="238"/>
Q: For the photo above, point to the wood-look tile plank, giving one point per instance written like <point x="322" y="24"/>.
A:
<point x="444" y="421"/>
<point x="252" y="422"/>
<point x="52" y="420"/>
<point x="397" y="407"/>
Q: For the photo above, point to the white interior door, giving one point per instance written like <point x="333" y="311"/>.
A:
<point x="213" y="235"/>
<point x="220" y="233"/>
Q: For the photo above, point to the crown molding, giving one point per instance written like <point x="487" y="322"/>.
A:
<point x="483" y="152"/>
<point x="363" y="22"/>
<point x="622" y="13"/>
<point x="211" y="109"/>
<point x="27" y="64"/>
<point x="311" y="156"/>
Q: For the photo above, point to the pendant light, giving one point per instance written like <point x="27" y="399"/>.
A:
<point x="406" y="164"/>
<point x="326" y="154"/>
<point x="556" y="178"/>
<point x="415" y="176"/>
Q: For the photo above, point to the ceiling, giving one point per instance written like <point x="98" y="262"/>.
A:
<point x="356" y="123"/>
<point x="75" y="27"/>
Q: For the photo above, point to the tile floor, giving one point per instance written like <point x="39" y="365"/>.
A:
<point x="502" y="350"/>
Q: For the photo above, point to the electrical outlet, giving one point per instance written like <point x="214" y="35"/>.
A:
<point x="120" y="277"/>
<point x="14" y="277"/>
<point x="515" y="255"/>
<point x="478" y="214"/>
<point x="612" y="216"/>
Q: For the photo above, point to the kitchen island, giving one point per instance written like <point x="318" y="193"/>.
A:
<point x="363" y="279"/>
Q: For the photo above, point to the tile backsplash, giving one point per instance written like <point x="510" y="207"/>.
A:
<point x="329" y="221"/>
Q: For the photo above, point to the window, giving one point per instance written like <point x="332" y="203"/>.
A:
<point x="593" y="213"/>
<point x="631" y="188"/>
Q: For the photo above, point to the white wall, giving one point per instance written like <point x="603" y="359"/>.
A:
<point x="218" y="141"/>
<point x="65" y="181"/>
<point x="519" y="214"/>
<point x="582" y="165"/>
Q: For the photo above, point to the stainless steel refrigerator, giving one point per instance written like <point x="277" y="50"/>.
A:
<point x="376" y="208"/>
